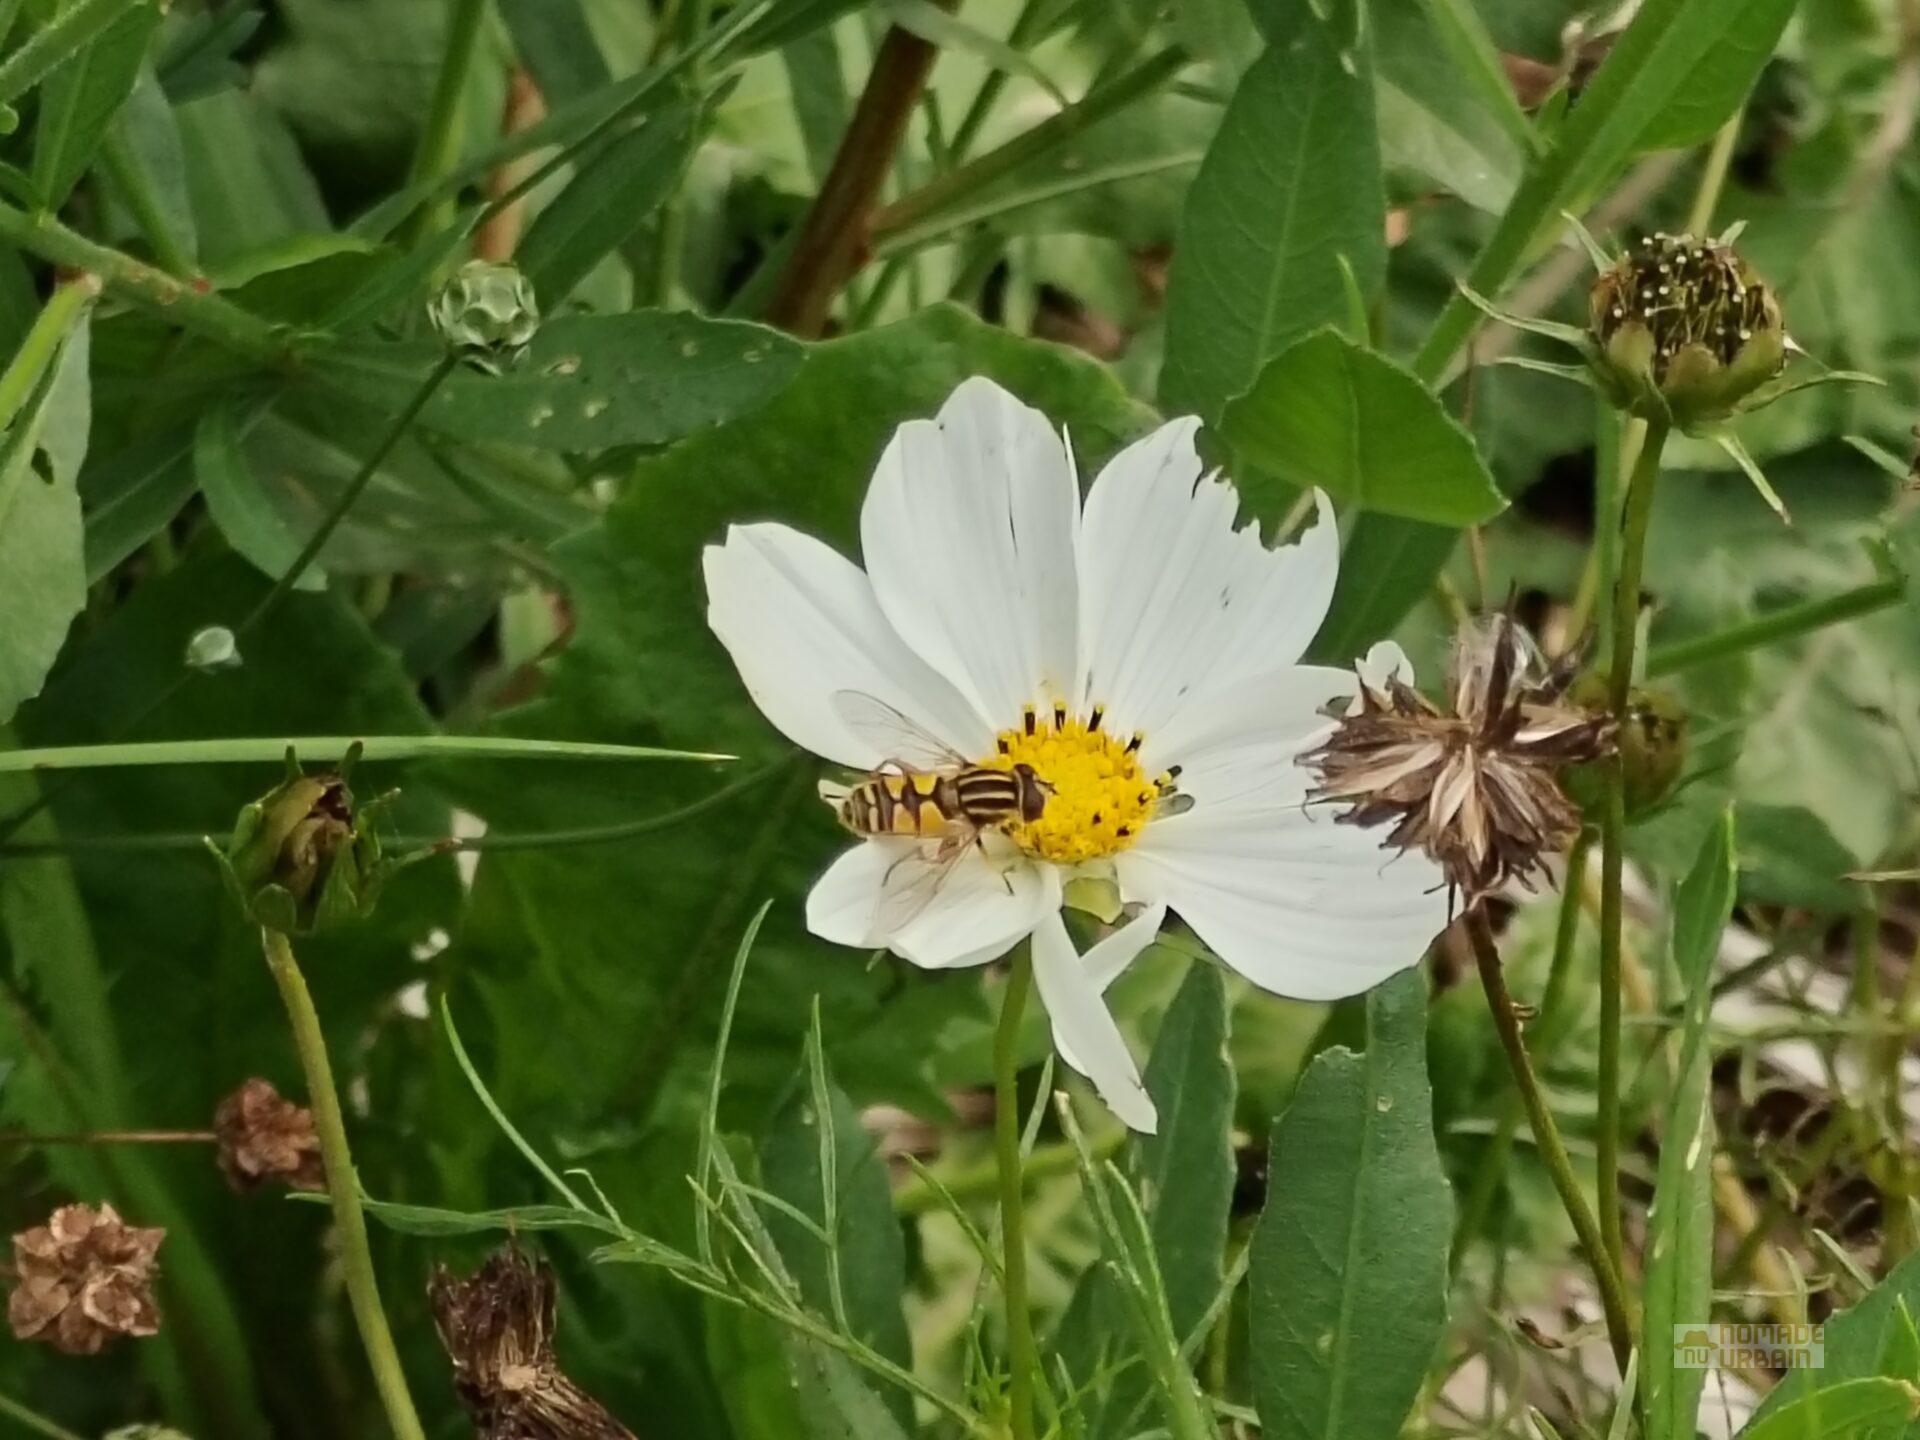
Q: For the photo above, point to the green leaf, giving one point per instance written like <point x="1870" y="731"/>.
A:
<point x="1679" y="1277"/>
<point x="1333" y="414"/>
<point x="588" y="382"/>
<point x="854" y="1189"/>
<point x="1838" y="1412"/>
<point x="240" y="505"/>
<point x="1185" y="1172"/>
<point x="80" y="99"/>
<point x="609" y="197"/>
<point x="1349" y="1259"/>
<point x="1290" y="184"/>
<point x="148" y="136"/>
<point x="1856" y="1340"/>
<point x="42" y="565"/>
<point x="1723" y="49"/>
<point x="1386" y="567"/>
<point x="440" y="1224"/>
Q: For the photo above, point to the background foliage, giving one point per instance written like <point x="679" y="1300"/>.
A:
<point x="1257" y="212"/>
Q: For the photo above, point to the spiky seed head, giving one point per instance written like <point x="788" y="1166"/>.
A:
<point x="1683" y="329"/>
<point x="1475" y="782"/>
<point x="487" y="314"/>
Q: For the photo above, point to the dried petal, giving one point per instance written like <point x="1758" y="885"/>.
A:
<point x="1475" y="785"/>
<point x="83" y="1278"/>
<point x="263" y="1137"/>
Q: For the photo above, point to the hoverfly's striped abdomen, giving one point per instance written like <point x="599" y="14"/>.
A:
<point x="931" y="804"/>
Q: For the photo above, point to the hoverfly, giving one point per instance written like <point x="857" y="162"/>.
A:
<point x="924" y="790"/>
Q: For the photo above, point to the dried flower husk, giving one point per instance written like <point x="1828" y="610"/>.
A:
<point x="84" y="1278"/>
<point x="497" y="1327"/>
<point x="303" y="857"/>
<point x="264" y="1137"/>
<point x="1684" y="330"/>
<point x="1475" y="784"/>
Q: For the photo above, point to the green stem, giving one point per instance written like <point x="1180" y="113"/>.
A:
<point x="1626" y="627"/>
<point x="907" y="221"/>
<point x="1713" y="176"/>
<point x="38" y="1424"/>
<point x="42" y="343"/>
<point x="1546" y="1135"/>
<point x="1023" y="1356"/>
<point x="1493" y="1161"/>
<point x="918" y="1197"/>
<point x="130" y="182"/>
<point x="343" y="1188"/>
<point x="439" y="149"/>
<point x="269" y="749"/>
<point x="1778" y="625"/>
<point x="169" y="297"/>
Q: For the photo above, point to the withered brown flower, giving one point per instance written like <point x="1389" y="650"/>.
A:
<point x="263" y="1137"/>
<point x="497" y="1326"/>
<point x="83" y="1277"/>
<point x="1475" y="784"/>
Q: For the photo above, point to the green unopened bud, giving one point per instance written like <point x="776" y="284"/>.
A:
<point x="302" y="857"/>
<point x="486" y="314"/>
<point x="1653" y="751"/>
<point x="1683" y="330"/>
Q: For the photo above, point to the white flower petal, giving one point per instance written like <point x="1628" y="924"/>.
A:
<point x="1175" y="601"/>
<point x="1249" y="734"/>
<point x="844" y="904"/>
<point x="801" y="623"/>
<point x="1298" y="904"/>
<point x="982" y="909"/>
<point x="968" y="532"/>
<point x="1112" y="954"/>
<point x="1084" y="1031"/>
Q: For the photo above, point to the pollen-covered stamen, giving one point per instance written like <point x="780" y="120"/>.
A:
<point x="1099" y="799"/>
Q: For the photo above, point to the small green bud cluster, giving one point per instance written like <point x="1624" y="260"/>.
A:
<point x="302" y="858"/>
<point x="1684" y="330"/>
<point x="1653" y="748"/>
<point x="486" y="314"/>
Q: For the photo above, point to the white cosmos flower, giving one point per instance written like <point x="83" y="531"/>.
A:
<point x="1109" y="645"/>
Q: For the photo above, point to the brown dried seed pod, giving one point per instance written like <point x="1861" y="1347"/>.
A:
<point x="497" y="1327"/>
<point x="264" y="1137"/>
<point x="84" y="1277"/>
<point x="1475" y="785"/>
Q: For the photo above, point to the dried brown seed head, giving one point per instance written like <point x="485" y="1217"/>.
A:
<point x="1476" y="784"/>
<point x="264" y="1137"/>
<point x="497" y="1327"/>
<point x="82" y="1278"/>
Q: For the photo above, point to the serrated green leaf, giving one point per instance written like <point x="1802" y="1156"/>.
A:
<point x="1349" y="1260"/>
<point x="1331" y="414"/>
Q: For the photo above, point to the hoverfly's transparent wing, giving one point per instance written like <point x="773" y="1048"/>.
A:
<point x="1170" y="804"/>
<point x="896" y="737"/>
<point x="914" y="880"/>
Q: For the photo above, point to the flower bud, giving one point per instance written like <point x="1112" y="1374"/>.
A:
<point x="1653" y="751"/>
<point x="1683" y="330"/>
<point x="486" y="314"/>
<point x="302" y="858"/>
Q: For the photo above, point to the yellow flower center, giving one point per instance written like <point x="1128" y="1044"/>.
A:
<point x="1100" y="799"/>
